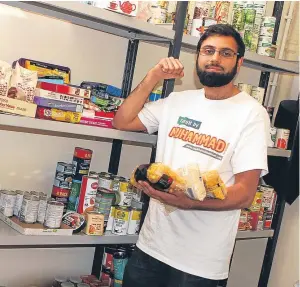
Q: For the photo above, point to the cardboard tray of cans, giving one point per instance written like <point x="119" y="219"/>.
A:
<point x="34" y="229"/>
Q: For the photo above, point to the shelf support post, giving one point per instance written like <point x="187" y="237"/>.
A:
<point x="174" y="48"/>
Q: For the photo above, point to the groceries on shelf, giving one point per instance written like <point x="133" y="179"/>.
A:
<point x="114" y="261"/>
<point x="259" y="216"/>
<point x="81" y="200"/>
<point x="42" y="90"/>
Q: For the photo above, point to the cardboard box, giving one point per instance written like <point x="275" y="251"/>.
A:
<point x="49" y="103"/>
<point x="58" y="96"/>
<point x="34" y="229"/>
<point x="96" y="122"/>
<point x="18" y="107"/>
<point x="128" y="8"/>
<point x="65" y="89"/>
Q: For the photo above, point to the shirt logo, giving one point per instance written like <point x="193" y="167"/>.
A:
<point x="189" y="123"/>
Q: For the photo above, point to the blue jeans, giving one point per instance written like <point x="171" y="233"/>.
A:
<point x="143" y="270"/>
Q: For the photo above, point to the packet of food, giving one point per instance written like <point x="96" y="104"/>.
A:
<point x="195" y="187"/>
<point x="23" y="84"/>
<point x="159" y="176"/>
<point x="214" y="185"/>
<point x="5" y="74"/>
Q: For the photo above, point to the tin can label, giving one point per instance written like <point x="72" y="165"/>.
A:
<point x="18" y="204"/>
<point x="134" y="222"/>
<point x="8" y="203"/>
<point x="121" y="221"/>
<point x="111" y="217"/>
<point x="74" y="195"/>
<point x="42" y="211"/>
<point x="123" y="195"/>
<point x="105" y="182"/>
<point x="257" y="202"/>
<point x="103" y="203"/>
<point x="282" y="138"/>
<point x="88" y="192"/>
<point x="29" y="210"/>
<point x="54" y="215"/>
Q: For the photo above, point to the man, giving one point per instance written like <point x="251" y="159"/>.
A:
<point x="218" y="127"/>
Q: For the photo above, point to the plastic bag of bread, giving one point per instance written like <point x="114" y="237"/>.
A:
<point x="215" y="187"/>
<point x="195" y="187"/>
<point x="159" y="176"/>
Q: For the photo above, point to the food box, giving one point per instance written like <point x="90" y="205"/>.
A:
<point x="87" y="195"/>
<point x="65" y="89"/>
<point x="34" y="229"/>
<point x="97" y="122"/>
<point x="58" y="96"/>
<point x="57" y="115"/>
<point x="46" y="69"/>
<point x="17" y="107"/>
<point x="128" y="8"/>
<point x="49" y="103"/>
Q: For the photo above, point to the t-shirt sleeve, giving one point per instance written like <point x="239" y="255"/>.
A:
<point x="151" y="115"/>
<point x="251" y="151"/>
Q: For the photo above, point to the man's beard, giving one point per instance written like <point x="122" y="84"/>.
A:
<point x="213" y="79"/>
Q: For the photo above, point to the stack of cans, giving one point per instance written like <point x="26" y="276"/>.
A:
<point x="265" y="46"/>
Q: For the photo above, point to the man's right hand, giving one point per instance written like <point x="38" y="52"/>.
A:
<point x="167" y="68"/>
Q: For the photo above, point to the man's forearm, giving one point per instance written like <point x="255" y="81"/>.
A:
<point x="135" y="102"/>
<point x="237" y="198"/>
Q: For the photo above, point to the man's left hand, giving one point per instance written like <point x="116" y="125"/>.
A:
<point x="177" y="198"/>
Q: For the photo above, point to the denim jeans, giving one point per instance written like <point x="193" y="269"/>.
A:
<point x="143" y="270"/>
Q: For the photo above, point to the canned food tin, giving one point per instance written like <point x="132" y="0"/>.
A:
<point x="19" y="200"/>
<point x="29" y="208"/>
<point x="120" y="260"/>
<point x="61" y="195"/>
<point x="136" y="193"/>
<point x="75" y="280"/>
<point x="103" y="202"/>
<point x="257" y="202"/>
<point x="268" y="217"/>
<point x="272" y="139"/>
<point x="8" y="200"/>
<point x="268" y="21"/>
<point x="94" y="223"/>
<point x="88" y="193"/>
<point x="258" y="93"/>
<point x="54" y="214"/>
<point x="268" y="197"/>
<point x="267" y="51"/>
<point x="74" y="196"/>
<point x="264" y="41"/>
<point x="266" y="31"/>
<point x="282" y="138"/>
<point x="121" y="220"/>
<point x="123" y="194"/>
<point x="42" y="208"/>
<point x="111" y="217"/>
<point x="81" y="162"/>
<point x="134" y="221"/>
<point x="105" y="181"/>
<point x="59" y="280"/>
<point x="65" y="168"/>
<point x="243" y="221"/>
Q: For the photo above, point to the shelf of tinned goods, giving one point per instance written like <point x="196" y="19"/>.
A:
<point x="10" y="237"/>
<point x="55" y="128"/>
<point x="252" y="60"/>
<point x="279" y="152"/>
<point x="129" y="27"/>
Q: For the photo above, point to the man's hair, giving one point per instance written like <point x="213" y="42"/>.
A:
<point x="223" y="30"/>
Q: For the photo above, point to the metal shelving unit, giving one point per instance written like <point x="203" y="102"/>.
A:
<point x="134" y="30"/>
<point x="54" y="128"/>
<point x="11" y="238"/>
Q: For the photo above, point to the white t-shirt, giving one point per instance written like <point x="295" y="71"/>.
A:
<point x="228" y="135"/>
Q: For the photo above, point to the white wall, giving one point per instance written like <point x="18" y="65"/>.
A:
<point x="28" y="161"/>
